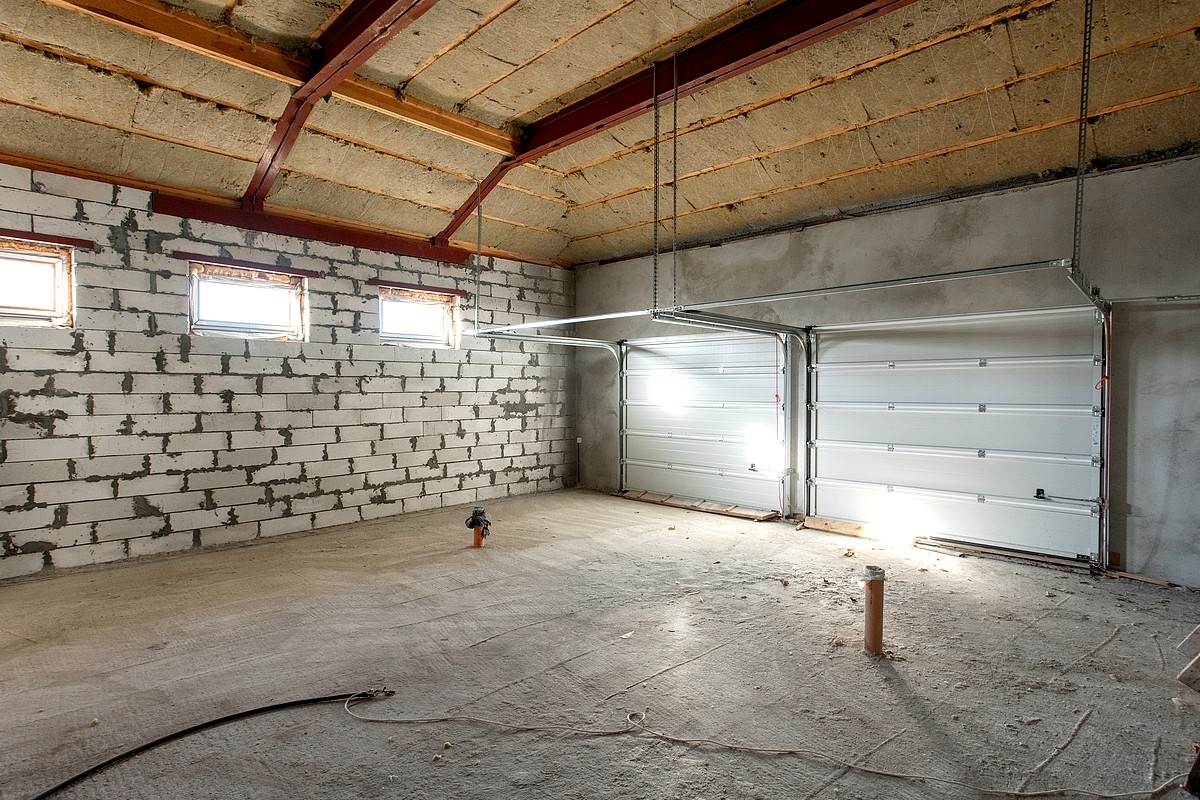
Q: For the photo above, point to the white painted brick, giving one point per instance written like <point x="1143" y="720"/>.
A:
<point x="23" y="563"/>
<point x="247" y="439"/>
<point x="126" y="445"/>
<point x="115" y="529"/>
<point x="127" y="403"/>
<point x="68" y="186"/>
<point x="204" y="459"/>
<point x="133" y="198"/>
<point x="121" y="278"/>
<point x="422" y="503"/>
<point x="94" y="510"/>
<point x="322" y="469"/>
<point x="45" y="449"/>
<point x="200" y="518"/>
<point x="252" y="458"/>
<point x="340" y="516"/>
<point x="216" y="479"/>
<point x="171" y="543"/>
<point x="211" y="537"/>
<point x="82" y="555"/>
<point x="36" y="203"/>
<point x="16" y="177"/>
<point x="150" y="485"/>
<point x="56" y="492"/>
<point x="275" y="472"/>
<point x="148" y="301"/>
<point x="277" y="527"/>
<point x="23" y="520"/>
<point x="190" y="442"/>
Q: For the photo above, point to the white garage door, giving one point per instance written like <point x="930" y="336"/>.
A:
<point x="702" y="418"/>
<point x="983" y="430"/>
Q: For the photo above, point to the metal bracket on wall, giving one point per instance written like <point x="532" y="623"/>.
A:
<point x="1089" y="290"/>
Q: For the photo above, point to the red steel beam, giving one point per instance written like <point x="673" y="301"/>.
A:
<point x="234" y="216"/>
<point x="356" y="35"/>
<point x="776" y="32"/>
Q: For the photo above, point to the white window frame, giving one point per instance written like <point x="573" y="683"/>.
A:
<point x="447" y="337"/>
<point x="200" y="272"/>
<point x="61" y="315"/>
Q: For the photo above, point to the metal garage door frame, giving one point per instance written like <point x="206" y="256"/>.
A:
<point x="1014" y="505"/>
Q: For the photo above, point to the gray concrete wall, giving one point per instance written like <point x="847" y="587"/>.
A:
<point x="1141" y="237"/>
<point x="125" y="435"/>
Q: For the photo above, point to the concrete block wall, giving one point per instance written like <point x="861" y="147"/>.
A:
<point x="124" y="435"/>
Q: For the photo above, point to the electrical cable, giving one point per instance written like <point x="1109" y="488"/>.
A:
<point x="213" y="723"/>
<point x="675" y="179"/>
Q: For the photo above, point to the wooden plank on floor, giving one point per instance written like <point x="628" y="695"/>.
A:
<point x="1190" y="676"/>
<point x="834" y="526"/>
<point x="1190" y="646"/>
<point x="697" y="504"/>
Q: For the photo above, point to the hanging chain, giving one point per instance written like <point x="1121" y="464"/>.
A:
<point x="1081" y="160"/>
<point x="674" y="179"/>
<point x="657" y="136"/>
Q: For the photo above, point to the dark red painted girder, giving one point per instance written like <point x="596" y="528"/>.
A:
<point x="418" y="247"/>
<point x="776" y="32"/>
<point x="356" y="35"/>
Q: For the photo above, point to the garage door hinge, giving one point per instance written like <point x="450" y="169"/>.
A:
<point x="891" y="365"/>
<point x="981" y="453"/>
<point x="1095" y="511"/>
<point x="979" y="498"/>
<point x="1095" y="411"/>
<point x="982" y="407"/>
<point x="1096" y="361"/>
<point x="983" y="362"/>
<point x="891" y="448"/>
<point x="1097" y="461"/>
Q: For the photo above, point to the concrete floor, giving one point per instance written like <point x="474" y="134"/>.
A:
<point x="582" y="608"/>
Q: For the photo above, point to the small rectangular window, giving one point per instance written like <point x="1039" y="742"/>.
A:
<point x="35" y="284"/>
<point x="247" y="302"/>
<point x="415" y="316"/>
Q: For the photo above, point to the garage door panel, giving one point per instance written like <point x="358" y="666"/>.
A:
<point x="734" y="452"/>
<point x="749" y="490"/>
<point x="1045" y="384"/>
<point x="980" y="337"/>
<point x="1065" y="476"/>
<point x="728" y="420"/>
<point x="672" y="387"/>
<point x="1055" y="530"/>
<point x="992" y="430"/>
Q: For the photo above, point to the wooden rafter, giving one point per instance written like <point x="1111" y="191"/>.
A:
<point x="223" y="43"/>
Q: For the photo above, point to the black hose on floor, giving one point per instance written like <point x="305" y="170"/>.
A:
<point x="213" y="723"/>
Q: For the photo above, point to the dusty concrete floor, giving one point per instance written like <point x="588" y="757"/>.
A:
<point x="582" y="608"/>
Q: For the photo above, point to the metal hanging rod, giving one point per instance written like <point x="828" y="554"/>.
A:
<point x="984" y="272"/>
<point x="570" y="341"/>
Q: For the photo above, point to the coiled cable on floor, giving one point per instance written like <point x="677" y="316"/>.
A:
<point x="212" y="723"/>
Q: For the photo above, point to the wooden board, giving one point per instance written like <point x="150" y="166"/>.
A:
<point x="696" y="504"/>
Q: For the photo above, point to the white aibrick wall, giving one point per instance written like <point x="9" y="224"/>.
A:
<point x="124" y="435"/>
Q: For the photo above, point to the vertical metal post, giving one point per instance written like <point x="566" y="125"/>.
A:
<point x="1105" y="435"/>
<point x="622" y="419"/>
<point x="783" y="407"/>
<point x="810" y="424"/>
